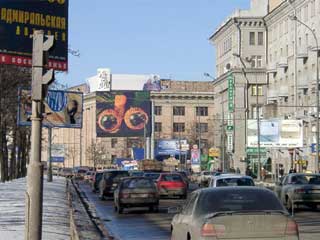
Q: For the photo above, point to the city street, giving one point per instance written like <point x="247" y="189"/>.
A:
<point x="135" y="223"/>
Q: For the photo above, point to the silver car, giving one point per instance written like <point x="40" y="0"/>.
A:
<point x="299" y="188"/>
<point x="233" y="213"/>
<point x="225" y="180"/>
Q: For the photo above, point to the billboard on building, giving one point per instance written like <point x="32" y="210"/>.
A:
<point x="195" y="155"/>
<point x="62" y="109"/>
<point x="18" y="20"/>
<point x="276" y="133"/>
<point x="137" y="82"/>
<point x="123" y="114"/>
<point x="170" y="147"/>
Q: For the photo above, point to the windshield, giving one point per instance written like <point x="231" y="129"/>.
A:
<point x="233" y="200"/>
<point x="306" y="179"/>
<point x="138" y="183"/>
<point x="235" y="182"/>
<point x="171" y="178"/>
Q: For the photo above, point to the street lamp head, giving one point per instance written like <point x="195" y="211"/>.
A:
<point x="293" y="17"/>
<point x="209" y="76"/>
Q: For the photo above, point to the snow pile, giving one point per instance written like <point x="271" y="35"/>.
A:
<point x="55" y="210"/>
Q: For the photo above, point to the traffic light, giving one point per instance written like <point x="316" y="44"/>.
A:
<point x="40" y="58"/>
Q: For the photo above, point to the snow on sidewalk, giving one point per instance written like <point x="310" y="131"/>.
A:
<point x="55" y="222"/>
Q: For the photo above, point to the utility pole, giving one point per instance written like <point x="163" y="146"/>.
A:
<point x="34" y="194"/>
<point x="49" y="177"/>
<point x="144" y="141"/>
<point x="258" y="131"/>
<point x="152" y="130"/>
<point x="222" y="135"/>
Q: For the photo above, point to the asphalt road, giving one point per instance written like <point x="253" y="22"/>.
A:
<point x="139" y="224"/>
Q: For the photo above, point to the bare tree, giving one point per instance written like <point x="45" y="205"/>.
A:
<point x="97" y="154"/>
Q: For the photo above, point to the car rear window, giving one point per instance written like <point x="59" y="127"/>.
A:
<point x="234" y="182"/>
<point x="116" y="175"/>
<point x="152" y="175"/>
<point x="306" y="179"/>
<point x="237" y="200"/>
<point x="138" y="183"/>
<point x="172" y="178"/>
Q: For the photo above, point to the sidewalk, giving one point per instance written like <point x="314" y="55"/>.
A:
<point x="55" y="210"/>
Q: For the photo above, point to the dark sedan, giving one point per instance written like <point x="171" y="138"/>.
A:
<point x="136" y="192"/>
<point x="233" y="213"/>
<point x="109" y="182"/>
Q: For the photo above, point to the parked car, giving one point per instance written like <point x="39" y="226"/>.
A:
<point x="79" y="173"/>
<point x="172" y="184"/>
<point x="89" y="175"/>
<point x="55" y="171"/>
<point x="136" y="192"/>
<point x="233" y="213"/>
<point x="299" y="188"/>
<point x="66" y="172"/>
<point x="225" y="180"/>
<point x="96" y="178"/>
<point x="109" y="182"/>
<point x="152" y="175"/>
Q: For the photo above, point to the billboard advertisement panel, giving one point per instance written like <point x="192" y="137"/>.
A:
<point x="171" y="147"/>
<point x="276" y="133"/>
<point x="62" y="109"/>
<point x="123" y="114"/>
<point x="57" y="153"/>
<point x="18" y="19"/>
<point x="195" y="155"/>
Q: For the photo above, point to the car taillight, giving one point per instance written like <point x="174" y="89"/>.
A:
<point x="292" y="228"/>
<point x="299" y="190"/>
<point x="124" y="195"/>
<point x="212" y="230"/>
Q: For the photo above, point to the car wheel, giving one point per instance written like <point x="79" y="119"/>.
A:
<point x="288" y="203"/>
<point x="119" y="209"/>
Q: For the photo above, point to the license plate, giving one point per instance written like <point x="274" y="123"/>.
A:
<point x="139" y="195"/>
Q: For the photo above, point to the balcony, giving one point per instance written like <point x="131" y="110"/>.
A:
<point x="283" y="62"/>
<point x="283" y="91"/>
<point x="302" y="52"/>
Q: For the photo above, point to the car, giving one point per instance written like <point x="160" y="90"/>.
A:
<point x="109" y="182"/>
<point x="204" y="178"/>
<point x="136" y="192"/>
<point x="185" y="177"/>
<point x="225" y="180"/>
<point x="55" y="171"/>
<point x="96" y="178"/>
<point x="233" y="213"/>
<point x="152" y="175"/>
<point x="66" y="172"/>
<point x="88" y="176"/>
<point x="299" y="188"/>
<point x="79" y="173"/>
<point x="172" y="184"/>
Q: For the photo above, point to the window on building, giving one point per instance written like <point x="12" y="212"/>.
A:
<point x="286" y="25"/>
<point x="178" y="127"/>
<point x="114" y="142"/>
<point x="203" y="127"/>
<point x="204" y="143"/>
<point x="313" y="8"/>
<point x="178" y="111"/>
<point x="134" y="142"/>
<point x="157" y="110"/>
<point x="306" y="14"/>
<point x="113" y="158"/>
<point x="256" y="61"/>
<point x="260" y="38"/>
<point x="202" y="111"/>
<point x="307" y="39"/>
<point x="254" y="112"/>
<point x="252" y="38"/>
<point x="254" y="90"/>
<point x="157" y="126"/>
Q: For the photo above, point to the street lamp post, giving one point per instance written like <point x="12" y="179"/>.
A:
<point x="294" y="18"/>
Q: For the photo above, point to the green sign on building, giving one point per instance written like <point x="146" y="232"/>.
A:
<point x="255" y="151"/>
<point x="230" y="93"/>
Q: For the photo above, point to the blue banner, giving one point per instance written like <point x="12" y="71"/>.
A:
<point x="170" y="147"/>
